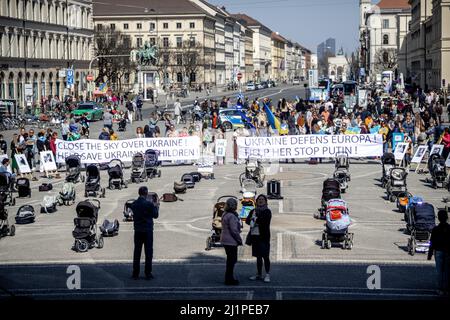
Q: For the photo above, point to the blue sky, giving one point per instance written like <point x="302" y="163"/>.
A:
<point x="308" y="22"/>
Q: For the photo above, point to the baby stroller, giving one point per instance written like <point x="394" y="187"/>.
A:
<point x="152" y="163"/>
<point x="23" y="187"/>
<point x="420" y="222"/>
<point x="388" y="163"/>
<point x="331" y="190"/>
<point x="92" y="185"/>
<point x="342" y="163"/>
<point x="127" y="212"/>
<point x="115" y="172"/>
<point x="6" y="195"/>
<point x="73" y="167"/>
<point x="249" y="190"/>
<point x="343" y="178"/>
<point x="219" y="209"/>
<point x="123" y="124"/>
<point x="253" y="170"/>
<point x="110" y="229"/>
<point x="436" y="167"/>
<point x="25" y="215"/>
<point x="138" y="171"/>
<point x="5" y="228"/>
<point x="396" y="184"/>
<point x="67" y="194"/>
<point x="85" y="232"/>
<point x="337" y="223"/>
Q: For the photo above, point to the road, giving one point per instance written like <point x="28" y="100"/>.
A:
<point x="34" y="262"/>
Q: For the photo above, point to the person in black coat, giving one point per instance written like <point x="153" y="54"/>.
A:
<point x="144" y="211"/>
<point x="259" y="236"/>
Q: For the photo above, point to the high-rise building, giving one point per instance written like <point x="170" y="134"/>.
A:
<point x="326" y="49"/>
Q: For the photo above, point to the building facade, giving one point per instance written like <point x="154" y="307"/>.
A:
<point x="278" y="71"/>
<point x="338" y="67"/>
<point x="39" y="40"/>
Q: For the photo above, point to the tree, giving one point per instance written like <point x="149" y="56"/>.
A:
<point x="385" y="59"/>
<point x="112" y="42"/>
<point x="191" y="58"/>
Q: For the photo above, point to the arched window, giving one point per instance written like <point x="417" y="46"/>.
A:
<point x="385" y="39"/>
<point x="385" y="57"/>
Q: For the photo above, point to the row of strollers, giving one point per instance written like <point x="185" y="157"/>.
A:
<point x="418" y="215"/>
<point x="334" y="210"/>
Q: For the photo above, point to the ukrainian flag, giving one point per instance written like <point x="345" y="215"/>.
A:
<point x="103" y="88"/>
<point x="273" y="121"/>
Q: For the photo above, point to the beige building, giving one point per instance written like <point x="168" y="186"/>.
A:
<point x="279" y="72"/>
<point x="403" y="22"/>
<point x="169" y="24"/>
<point x="39" y="40"/>
<point x="428" y="44"/>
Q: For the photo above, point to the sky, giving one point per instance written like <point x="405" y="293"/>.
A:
<point x="308" y="22"/>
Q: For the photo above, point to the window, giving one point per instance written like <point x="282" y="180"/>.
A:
<point x="139" y="42"/>
<point x="99" y="27"/>
<point x="125" y="26"/>
<point x="192" y="25"/>
<point x="112" y="26"/>
<point x="153" y="41"/>
<point x="385" y="23"/>
<point x="139" y="26"/>
<point x="385" y="57"/>
<point x="179" y="77"/>
<point x="152" y="26"/>
<point x="193" y="77"/>
<point x="178" y="25"/>
<point x="165" y="42"/>
<point x="192" y="42"/>
<point x="165" y="25"/>
<point x="385" y="39"/>
<point x="166" y="59"/>
<point x="179" y="59"/>
<point x="179" y="42"/>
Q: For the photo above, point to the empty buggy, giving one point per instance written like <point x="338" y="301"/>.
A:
<point x="5" y="228"/>
<point x="337" y="224"/>
<point x="331" y="190"/>
<point x="342" y="164"/>
<point x="138" y="170"/>
<point x="92" y="185"/>
<point x="86" y="232"/>
<point x="420" y="222"/>
<point x="343" y="178"/>
<point x="249" y="190"/>
<point x="219" y="209"/>
<point x="436" y="167"/>
<point x="388" y="163"/>
<point x="253" y="170"/>
<point x="152" y="163"/>
<point x="6" y="195"/>
<point x="396" y="184"/>
<point x="73" y="169"/>
<point x="115" y="173"/>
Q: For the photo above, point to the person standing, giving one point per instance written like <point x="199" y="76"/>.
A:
<point x="3" y="145"/>
<point x="231" y="239"/>
<point x="259" y="221"/>
<point x="144" y="211"/>
<point x="440" y="248"/>
<point x="177" y="111"/>
<point x="108" y="120"/>
<point x="139" y="105"/>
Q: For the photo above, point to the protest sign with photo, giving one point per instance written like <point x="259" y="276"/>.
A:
<point x="22" y="163"/>
<point x="400" y="150"/>
<point x="420" y="153"/>
<point x="48" y="161"/>
<point x="221" y="147"/>
<point x="437" y="149"/>
<point x="310" y="146"/>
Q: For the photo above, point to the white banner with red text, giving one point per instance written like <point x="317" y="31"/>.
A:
<point x="310" y="146"/>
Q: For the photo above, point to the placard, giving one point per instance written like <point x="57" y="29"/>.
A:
<point x="5" y="156"/>
<point x="47" y="161"/>
<point x="400" y="150"/>
<point x="22" y="163"/>
<point x="447" y="162"/>
<point x="221" y="147"/>
<point x="420" y="153"/>
<point x="397" y="138"/>
<point x="437" y="149"/>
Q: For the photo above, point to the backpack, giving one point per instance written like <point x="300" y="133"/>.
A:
<point x="48" y="204"/>
<point x="170" y="197"/>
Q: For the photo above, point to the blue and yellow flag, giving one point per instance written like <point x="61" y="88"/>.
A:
<point x="273" y="121"/>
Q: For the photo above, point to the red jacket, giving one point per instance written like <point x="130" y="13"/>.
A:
<point x="446" y="140"/>
<point x="53" y="145"/>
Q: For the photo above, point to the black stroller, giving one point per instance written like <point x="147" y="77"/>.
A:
<point x="73" y="168"/>
<point x="123" y="124"/>
<point x="92" y="185"/>
<point x="342" y="176"/>
<point x="85" y="232"/>
<point x="331" y="190"/>
<point x="219" y="209"/>
<point x="152" y="163"/>
<point x="436" y="167"/>
<point x="396" y="184"/>
<point x="23" y="187"/>
<point x="5" y="228"/>
<point x="127" y="211"/>
<point x="388" y="163"/>
<point x="6" y="195"/>
<point x="342" y="164"/>
<point x="420" y="221"/>
<point x="110" y="228"/>
<point x="253" y="171"/>
<point x="115" y="172"/>
<point x="138" y="170"/>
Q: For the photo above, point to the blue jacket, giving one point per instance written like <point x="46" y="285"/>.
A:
<point x="143" y="214"/>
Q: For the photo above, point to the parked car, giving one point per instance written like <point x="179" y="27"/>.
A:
<point x="94" y="111"/>
<point x="251" y="86"/>
<point x="258" y="86"/>
<point x="272" y="83"/>
<point x="296" y="81"/>
<point x="231" y="118"/>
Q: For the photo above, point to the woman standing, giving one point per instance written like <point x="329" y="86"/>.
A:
<point x="259" y="221"/>
<point x="231" y="239"/>
<point x="14" y="150"/>
<point x="139" y="132"/>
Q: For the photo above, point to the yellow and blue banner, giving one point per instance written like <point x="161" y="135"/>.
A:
<point x="273" y="121"/>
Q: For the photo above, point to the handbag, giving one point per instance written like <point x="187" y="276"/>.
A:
<point x="248" y="239"/>
<point x="170" y="197"/>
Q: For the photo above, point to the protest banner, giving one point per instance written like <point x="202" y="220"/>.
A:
<point x="397" y="137"/>
<point x="103" y="151"/>
<point x="310" y="146"/>
<point x="22" y="163"/>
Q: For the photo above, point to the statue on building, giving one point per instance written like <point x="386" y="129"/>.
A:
<point x="147" y="55"/>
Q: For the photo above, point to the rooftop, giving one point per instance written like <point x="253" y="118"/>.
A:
<point x="394" y="4"/>
<point x="144" y="7"/>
